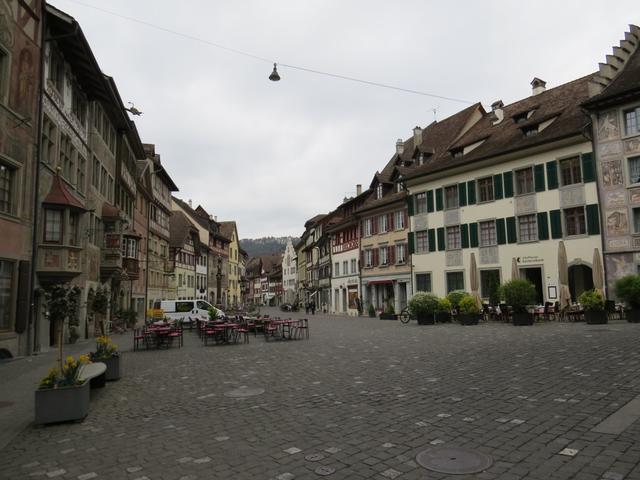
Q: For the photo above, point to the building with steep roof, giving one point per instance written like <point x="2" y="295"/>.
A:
<point x="233" y="293"/>
<point x="508" y="188"/>
<point x="615" y="115"/>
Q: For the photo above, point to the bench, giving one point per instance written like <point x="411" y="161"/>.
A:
<point x="95" y="373"/>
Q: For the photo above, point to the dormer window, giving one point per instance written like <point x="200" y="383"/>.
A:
<point x="457" y="152"/>
<point x="379" y="191"/>
<point x="530" y="131"/>
<point x="421" y="159"/>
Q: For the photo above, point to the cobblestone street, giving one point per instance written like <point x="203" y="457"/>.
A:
<point x="359" y="399"/>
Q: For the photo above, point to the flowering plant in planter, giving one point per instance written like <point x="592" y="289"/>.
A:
<point x="107" y="353"/>
<point x="105" y="349"/>
<point x="67" y="377"/>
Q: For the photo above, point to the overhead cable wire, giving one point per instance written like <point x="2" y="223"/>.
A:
<point x="263" y="59"/>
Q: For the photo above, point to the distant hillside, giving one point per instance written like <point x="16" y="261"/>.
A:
<point x="265" y="246"/>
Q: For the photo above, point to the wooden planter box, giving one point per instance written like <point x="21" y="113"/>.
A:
<point x="113" y="368"/>
<point x="522" y="319"/>
<point x="55" y="405"/>
<point x="633" y="315"/>
<point x="469" y="319"/>
<point x="595" y="317"/>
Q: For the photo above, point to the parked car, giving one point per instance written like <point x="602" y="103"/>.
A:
<point x="188" y="310"/>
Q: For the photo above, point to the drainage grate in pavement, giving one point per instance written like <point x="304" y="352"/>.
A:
<point x="324" y="471"/>
<point x="244" y="392"/>
<point x="314" y="457"/>
<point x="454" y="460"/>
<point x="5" y="403"/>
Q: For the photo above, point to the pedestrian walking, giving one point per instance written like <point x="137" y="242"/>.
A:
<point x="313" y="307"/>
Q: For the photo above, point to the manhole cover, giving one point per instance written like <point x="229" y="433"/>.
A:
<point x="243" y="392"/>
<point x="5" y="403"/>
<point x="324" y="471"/>
<point x="314" y="457"/>
<point x="454" y="460"/>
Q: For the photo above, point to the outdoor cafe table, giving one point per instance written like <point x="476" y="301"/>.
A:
<point x="157" y="336"/>
<point x="224" y="332"/>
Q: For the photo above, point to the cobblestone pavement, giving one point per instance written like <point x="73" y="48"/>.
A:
<point x="359" y="399"/>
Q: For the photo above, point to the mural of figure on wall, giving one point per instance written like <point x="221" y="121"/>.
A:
<point x="607" y="127"/>
<point x="612" y="173"/>
<point x="24" y="93"/>
<point x="617" y="223"/>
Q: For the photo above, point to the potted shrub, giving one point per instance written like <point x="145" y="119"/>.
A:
<point x="424" y="306"/>
<point x="443" y="310"/>
<point x="107" y="353"/>
<point x="518" y="294"/>
<point x="389" y="313"/>
<point x="469" y="311"/>
<point x="592" y="302"/>
<point x="61" y="396"/>
<point x="372" y="310"/>
<point x="455" y="297"/>
<point x="628" y="290"/>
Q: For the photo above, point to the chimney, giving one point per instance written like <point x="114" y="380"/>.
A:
<point x="496" y="108"/>
<point x="399" y="146"/>
<point x="538" y="86"/>
<point x="358" y="190"/>
<point x="417" y="136"/>
<point x="190" y="205"/>
<point x="215" y="218"/>
<point x="210" y="217"/>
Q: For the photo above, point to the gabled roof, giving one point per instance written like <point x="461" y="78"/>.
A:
<point x="561" y="103"/>
<point x="180" y="227"/>
<point x="314" y="220"/>
<point x="626" y="83"/>
<point x="158" y="168"/>
<point x="227" y="229"/>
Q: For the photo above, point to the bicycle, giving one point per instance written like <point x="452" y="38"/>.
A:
<point x="405" y="315"/>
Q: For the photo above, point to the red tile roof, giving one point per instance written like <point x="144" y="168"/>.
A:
<point x="59" y="194"/>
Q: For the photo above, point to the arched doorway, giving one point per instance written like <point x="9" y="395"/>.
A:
<point x="580" y="280"/>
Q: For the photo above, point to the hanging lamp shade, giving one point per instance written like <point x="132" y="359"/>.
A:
<point x="274" y="77"/>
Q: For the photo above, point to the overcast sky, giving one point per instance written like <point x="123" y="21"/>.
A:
<point x="272" y="155"/>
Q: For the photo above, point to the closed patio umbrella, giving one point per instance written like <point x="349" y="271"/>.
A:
<point x="597" y="272"/>
<point x="515" y="274"/>
<point x="563" y="277"/>
<point x="475" y="283"/>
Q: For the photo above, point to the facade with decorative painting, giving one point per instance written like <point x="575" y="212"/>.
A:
<point x="615" y="113"/>
<point x="496" y="197"/>
<point x="20" y="42"/>
<point x="345" y="256"/>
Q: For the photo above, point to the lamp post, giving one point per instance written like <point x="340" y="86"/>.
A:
<point x="219" y="282"/>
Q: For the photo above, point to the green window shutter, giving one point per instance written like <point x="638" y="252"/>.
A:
<point x="593" y="220"/>
<point x="430" y="201"/>
<point x="497" y="187"/>
<point x="471" y="192"/>
<point x="588" y="168"/>
<point x="473" y="235"/>
<point x="501" y="231"/>
<point x="556" y="223"/>
<point x="543" y="226"/>
<point x="538" y="177"/>
<point x="411" y="240"/>
<point x="431" y="239"/>
<point x="409" y="199"/>
<point x="464" y="233"/>
<point x="462" y="194"/>
<point x="439" y="201"/>
<point x="441" y="246"/>
<point x="512" y="236"/>
<point x="508" y="184"/>
<point x="552" y="175"/>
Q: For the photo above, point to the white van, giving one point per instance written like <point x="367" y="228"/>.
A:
<point x="188" y="309"/>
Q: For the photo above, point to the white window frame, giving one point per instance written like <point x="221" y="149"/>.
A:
<point x="398" y="220"/>
<point x="535" y="228"/>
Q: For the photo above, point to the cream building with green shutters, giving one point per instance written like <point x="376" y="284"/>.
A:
<point x="514" y="184"/>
